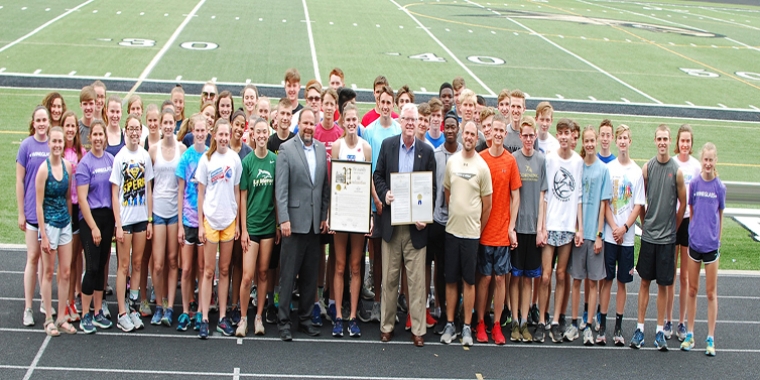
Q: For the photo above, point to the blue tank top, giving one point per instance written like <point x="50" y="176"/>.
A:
<point x="54" y="204"/>
<point x="114" y="149"/>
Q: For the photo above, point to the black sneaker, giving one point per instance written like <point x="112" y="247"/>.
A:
<point x="533" y="315"/>
<point x="556" y="334"/>
<point x="440" y="326"/>
<point x="271" y="315"/>
<point x="362" y="313"/>
<point x="562" y="324"/>
<point x="538" y="335"/>
<point x="488" y="320"/>
<point x="403" y="307"/>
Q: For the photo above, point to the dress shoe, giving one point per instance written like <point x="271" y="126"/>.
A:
<point x="386" y="336"/>
<point x="285" y="335"/>
<point x="419" y="340"/>
<point x="309" y="330"/>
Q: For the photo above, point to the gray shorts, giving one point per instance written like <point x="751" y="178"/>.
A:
<point x="57" y="236"/>
<point x="584" y="263"/>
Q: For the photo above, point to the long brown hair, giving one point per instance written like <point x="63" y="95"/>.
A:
<point x="212" y="148"/>
<point x="77" y="143"/>
<point x="31" y="122"/>
<point x="682" y="129"/>
<point x="48" y="103"/>
<point x="589" y="128"/>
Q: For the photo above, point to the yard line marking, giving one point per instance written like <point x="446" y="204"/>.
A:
<point x="593" y="99"/>
<point x="754" y="108"/>
<point x="353" y="86"/>
<point x="2" y="69"/>
<point x="37" y="71"/>
<point x="423" y="89"/>
<point x="236" y="373"/>
<point x="690" y="103"/>
<point x="37" y="357"/>
<point x="164" y="49"/>
<point x="178" y="78"/>
<point x="722" y="105"/>
<point x="559" y="96"/>
<point x="108" y="74"/>
<point x="43" y="26"/>
<point x="311" y="42"/>
<point x="71" y="74"/>
<point x="447" y="50"/>
<point x="247" y="81"/>
<point x="213" y="79"/>
<point x="625" y="100"/>
<point x="743" y="44"/>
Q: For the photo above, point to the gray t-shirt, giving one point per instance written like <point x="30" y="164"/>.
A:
<point x="512" y="142"/>
<point x="84" y="136"/>
<point x="440" y="210"/>
<point x="533" y="176"/>
<point x="662" y="195"/>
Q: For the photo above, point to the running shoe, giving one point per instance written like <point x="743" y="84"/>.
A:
<point x="136" y="321"/>
<point x="145" y="309"/>
<point x="480" y="333"/>
<point x="588" y="336"/>
<point x="538" y="335"/>
<point x="77" y="305"/>
<point x="242" y="327"/>
<point x="258" y="326"/>
<point x="203" y="330"/>
<point x="353" y="328"/>
<point x="152" y="295"/>
<point x="562" y="324"/>
<point x="100" y="321"/>
<point x="254" y="297"/>
<point x="681" y="332"/>
<point x="109" y="290"/>
<point x="224" y="326"/>
<point x="168" y="318"/>
<point x="555" y="334"/>
<point x="668" y="330"/>
<point x="156" y="320"/>
<point x="660" y="341"/>
<point x="533" y="315"/>
<point x="197" y="322"/>
<point x="73" y="312"/>
<point x="125" y="323"/>
<point x="429" y="320"/>
<point x="571" y="333"/>
<point x="104" y="309"/>
<point x="688" y="342"/>
<point x="337" y="330"/>
<point x="618" y="337"/>
<point x="497" y="335"/>
<point x="638" y="339"/>
<point x="408" y="325"/>
<point x="584" y="321"/>
<point x="182" y="322"/>
<point x="601" y="338"/>
<point x="367" y="294"/>
<point x="375" y="314"/>
<point x="710" y="346"/>
<point x="214" y="306"/>
<point x="331" y="312"/>
<point x="362" y="313"/>
<point x="234" y="315"/>
<point x="271" y="314"/>
<point x="86" y="324"/>
<point x="401" y="304"/>
<point x="525" y="333"/>
<point x="466" y="336"/>
<point x="316" y="315"/>
<point x="448" y="333"/>
<point x="28" y="317"/>
<point x="515" y="336"/>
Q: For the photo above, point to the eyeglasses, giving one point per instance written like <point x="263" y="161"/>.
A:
<point x="134" y="129"/>
<point x="529" y="136"/>
<point x="314" y="98"/>
<point x="409" y="119"/>
<point x="208" y="94"/>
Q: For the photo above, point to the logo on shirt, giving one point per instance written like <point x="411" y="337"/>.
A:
<point x="264" y="174"/>
<point x="133" y="188"/>
<point x="564" y="185"/>
<point x="221" y="174"/>
<point x="466" y="176"/>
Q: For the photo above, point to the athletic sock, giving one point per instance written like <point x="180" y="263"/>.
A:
<point x="575" y="322"/>
<point x="599" y="308"/>
<point x="619" y="321"/>
<point x="659" y="329"/>
<point x="603" y="322"/>
<point x="585" y="307"/>
<point x="165" y="303"/>
<point x="134" y="295"/>
<point x="330" y="302"/>
<point x="320" y="291"/>
<point x="640" y="326"/>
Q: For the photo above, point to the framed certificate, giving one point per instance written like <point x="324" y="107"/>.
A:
<point x="350" y="196"/>
<point x="413" y="198"/>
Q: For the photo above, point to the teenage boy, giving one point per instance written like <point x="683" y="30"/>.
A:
<point x="468" y="190"/>
<point x="544" y="115"/>
<point x="664" y="186"/>
<point x="605" y="139"/>
<point x="87" y="103"/>
<point x="423" y="124"/>
<point x="446" y="94"/>
<point x="493" y="261"/>
<point x="512" y="142"/>
<point x="486" y="124"/>
<point x="458" y="86"/>
<point x="563" y="215"/>
<point x="282" y="126"/>
<point x="375" y="113"/>
<point x="625" y="206"/>
<point x="292" y="88"/>
<point x="434" y="135"/>
<point x="502" y="103"/>
<point x="467" y="105"/>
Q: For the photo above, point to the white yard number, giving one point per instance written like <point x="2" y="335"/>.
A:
<point x="748" y="75"/>
<point x="427" y="57"/>
<point x="485" y="60"/>
<point x="193" y="45"/>
<point x="700" y="73"/>
<point x="137" y="42"/>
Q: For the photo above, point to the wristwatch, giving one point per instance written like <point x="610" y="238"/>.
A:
<point x="150" y="219"/>
<point x="599" y="234"/>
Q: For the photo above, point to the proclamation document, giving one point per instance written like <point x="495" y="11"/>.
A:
<point x="413" y="198"/>
<point x="350" y="198"/>
<point x="401" y="211"/>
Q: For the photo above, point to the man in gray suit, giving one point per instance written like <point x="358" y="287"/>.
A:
<point x="303" y="196"/>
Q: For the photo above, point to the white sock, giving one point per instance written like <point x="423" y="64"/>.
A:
<point x="331" y="302"/>
<point x="659" y="328"/>
<point x="640" y="326"/>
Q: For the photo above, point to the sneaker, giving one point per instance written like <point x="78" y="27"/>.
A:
<point x="638" y="339"/>
<point x="258" y="326"/>
<point x="618" y="337"/>
<point x="401" y="304"/>
<point x="487" y="320"/>
<point x="497" y="335"/>
<point x="331" y="312"/>
<point x="197" y="322"/>
<point x="43" y="311"/>
<point x="271" y="315"/>
<point x="337" y="330"/>
<point x="367" y="294"/>
<point x="168" y="318"/>
<point x="182" y="322"/>
<point x="136" y="321"/>
<point x="506" y="318"/>
<point x="681" y="332"/>
<point x="254" y="297"/>
<point x="152" y="295"/>
<point x="109" y="290"/>
<point x="316" y="316"/>
<point x="156" y="320"/>
<point x="100" y="321"/>
<point x="86" y="324"/>
<point x="193" y="307"/>
<point x="73" y="312"/>
<point x="448" y="333"/>
<point x="660" y="341"/>
<point x="429" y="320"/>
<point x="353" y="328"/>
<point x="538" y="335"/>
<point x="224" y="326"/>
<point x="555" y="334"/>
<point x="104" y="310"/>
<point x="533" y="315"/>
<point x="571" y="333"/>
<point x="588" y="336"/>
<point x="601" y="338"/>
<point x="242" y="327"/>
<point x="214" y="306"/>
<point x="145" y="309"/>
<point x="584" y="321"/>
<point x="688" y="342"/>
<point x="710" y="347"/>
<point x="125" y="323"/>
<point x="598" y="321"/>
<point x="668" y="330"/>
<point x="375" y="314"/>
<point x="362" y="313"/>
<point x="408" y="325"/>
<point x="234" y="315"/>
<point x="466" y="336"/>
<point x="525" y="334"/>
<point x="77" y="305"/>
<point x="562" y="325"/>
<point x="28" y="317"/>
<point x="440" y="326"/>
<point x="203" y="330"/>
<point x="480" y="333"/>
<point x="515" y="337"/>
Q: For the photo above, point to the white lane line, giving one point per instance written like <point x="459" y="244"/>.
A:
<point x="449" y="52"/>
<point x="43" y="26"/>
<point x="164" y="49"/>
<point x="236" y="373"/>
<point x="743" y="44"/>
<point x="37" y="357"/>
<point x="311" y="43"/>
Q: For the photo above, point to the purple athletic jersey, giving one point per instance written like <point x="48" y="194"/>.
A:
<point x="95" y="173"/>
<point x="706" y="199"/>
<point x="31" y="154"/>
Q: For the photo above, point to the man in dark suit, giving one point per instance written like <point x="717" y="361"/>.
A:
<point x="303" y="196"/>
<point x="403" y="244"/>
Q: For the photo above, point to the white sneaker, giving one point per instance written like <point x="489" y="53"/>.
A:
<point x="588" y="336"/>
<point x="571" y="333"/>
<point x="258" y="326"/>
<point x="449" y="332"/>
<point x="466" y="336"/>
<point x="125" y="323"/>
<point x="136" y="321"/>
<point x="104" y="310"/>
<point x="28" y="317"/>
<point x="242" y="327"/>
<point x="44" y="312"/>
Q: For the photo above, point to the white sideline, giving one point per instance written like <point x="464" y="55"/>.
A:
<point x="311" y="43"/>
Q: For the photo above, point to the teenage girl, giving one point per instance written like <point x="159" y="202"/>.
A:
<point x="178" y="100"/>
<point x="208" y="111"/>
<point x="154" y="128"/>
<point x="114" y="134"/>
<point x="56" y="107"/>
<point x="250" y="95"/>
<point x="224" y="106"/>
<point x="73" y="153"/>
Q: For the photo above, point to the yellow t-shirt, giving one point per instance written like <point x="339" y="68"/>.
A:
<point x="468" y="180"/>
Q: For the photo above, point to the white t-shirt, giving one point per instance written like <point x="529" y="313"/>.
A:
<point x="549" y="145"/>
<point x="690" y="169"/>
<point x="627" y="191"/>
<point x="220" y="175"/>
<point x="565" y="178"/>
<point x="131" y="171"/>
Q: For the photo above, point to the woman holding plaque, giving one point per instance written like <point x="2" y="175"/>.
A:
<point x="350" y="147"/>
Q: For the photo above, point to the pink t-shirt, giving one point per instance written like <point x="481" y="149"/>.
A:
<point x="70" y="155"/>
<point x="328" y="137"/>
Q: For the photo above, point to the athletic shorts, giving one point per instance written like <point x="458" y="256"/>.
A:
<point x="274" y="259"/>
<point x="191" y="236"/>
<point x="461" y="259"/>
<point x="222" y="236"/>
<point x="682" y="235"/>
<point x="657" y="262"/>
<point x="157" y="220"/>
<point x="560" y="238"/>
<point x="32" y="226"/>
<point x="623" y="257"/>
<point x="258" y="238"/>
<point x="57" y="236"/>
<point x="526" y="259"/>
<point x="135" y="228"/>
<point x="435" y="244"/>
<point x="74" y="219"/>
<point x="707" y="258"/>
<point x="584" y="263"/>
<point x="493" y="260"/>
<point x="377" y="226"/>
<point x="325" y="239"/>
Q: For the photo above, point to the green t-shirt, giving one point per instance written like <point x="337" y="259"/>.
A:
<point x="258" y="180"/>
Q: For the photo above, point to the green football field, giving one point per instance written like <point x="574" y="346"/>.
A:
<point x="680" y="57"/>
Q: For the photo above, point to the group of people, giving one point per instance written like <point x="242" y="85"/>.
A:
<point x="513" y="203"/>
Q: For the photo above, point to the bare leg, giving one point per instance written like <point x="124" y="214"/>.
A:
<point x="643" y="299"/>
<point x="469" y="301"/>
<point x="357" y="255"/>
<point x="264" y="283"/>
<point x="158" y="257"/>
<point x="576" y="296"/>
<point x="684" y="285"/>
<point x="547" y="257"/>
<point x="249" y="268"/>
<point x="340" y="241"/>
<point x="172" y="245"/>
<point x="691" y="309"/>
<point x="139" y="244"/>
<point x="186" y="286"/>
<point x="563" y="254"/>
<point x="207" y="281"/>
<point x="225" y="256"/>
<point x="64" y="279"/>
<point x="483" y="283"/>
<point x="499" y="295"/>
<point x="32" y="267"/>
<point x="125" y="248"/>
<point x="46" y="286"/>
<point x="711" y="277"/>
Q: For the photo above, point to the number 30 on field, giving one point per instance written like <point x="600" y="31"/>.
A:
<point x="702" y="73"/>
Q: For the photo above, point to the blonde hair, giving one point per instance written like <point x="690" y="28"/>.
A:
<point x="212" y="148"/>
<point x="710" y="147"/>
<point x="622" y="128"/>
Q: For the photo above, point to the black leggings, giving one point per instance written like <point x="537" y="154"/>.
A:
<point x="96" y="257"/>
